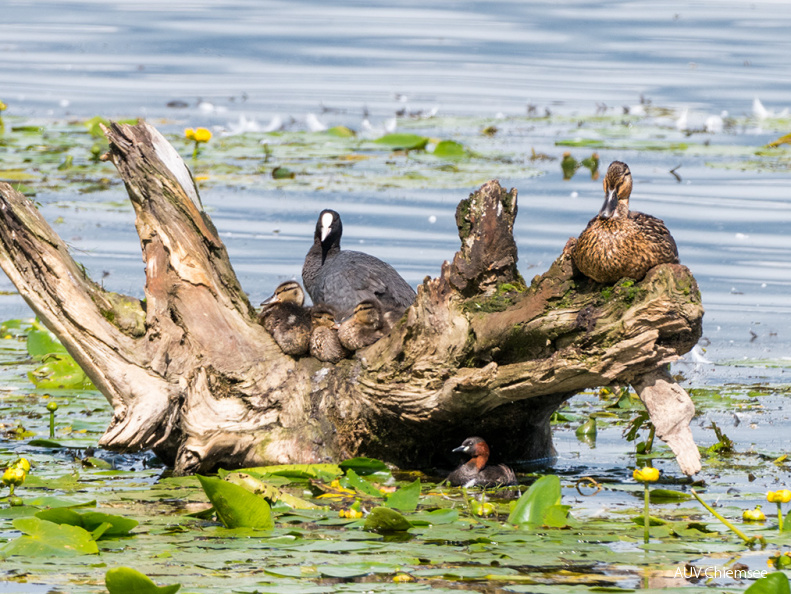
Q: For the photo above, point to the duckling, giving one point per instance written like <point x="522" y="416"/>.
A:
<point x="364" y="327"/>
<point x="474" y="472"/>
<point x="618" y="243"/>
<point x="286" y="320"/>
<point x="343" y="278"/>
<point x="324" y="342"/>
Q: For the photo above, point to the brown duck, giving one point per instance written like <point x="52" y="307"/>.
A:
<point x="364" y="327"/>
<point x="474" y="472"/>
<point x="617" y="243"/>
<point x="324" y="342"/>
<point x="286" y="320"/>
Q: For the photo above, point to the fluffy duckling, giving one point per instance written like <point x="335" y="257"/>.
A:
<point x="618" y="243"/>
<point x="364" y="327"/>
<point x="324" y="342"/>
<point x="344" y="278"/>
<point x="286" y="320"/>
<point x="474" y="472"/>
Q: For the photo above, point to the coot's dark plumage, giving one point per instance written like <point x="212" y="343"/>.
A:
<point x="344" y="278"/>
<point x="286" y="320"/>
<point x="618" y="243"/>
<point x="324" y="342"/>
<point x="475" y="472"/>
<point x="364" y="327"/>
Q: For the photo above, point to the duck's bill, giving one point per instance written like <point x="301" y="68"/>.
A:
<point x="462" y="449"/>
<point x="610" y="204"/>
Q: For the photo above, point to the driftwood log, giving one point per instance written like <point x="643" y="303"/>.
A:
<point x="190" y="374"/>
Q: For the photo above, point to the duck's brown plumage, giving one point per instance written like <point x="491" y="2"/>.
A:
<point x="475" y="472"/>
<point x="364" y="327"/>
<point x="618" y="243"/>
<point x="286" y="320"/>
<point x="324" y="342"/>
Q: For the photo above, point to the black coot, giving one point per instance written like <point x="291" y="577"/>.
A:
<point x="341" y="278"/>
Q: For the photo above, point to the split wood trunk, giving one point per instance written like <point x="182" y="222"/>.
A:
<point x="190" y="374"/>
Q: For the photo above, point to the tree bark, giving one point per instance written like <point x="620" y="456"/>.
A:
<point x="190" y="374"/>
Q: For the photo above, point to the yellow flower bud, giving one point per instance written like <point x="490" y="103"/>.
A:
<point x="402" y="578"/>
<point x="783" y="496"/>
<point x="189" y="133"/>
<point x="753" y="515"/>
<point x="22" y="463"/>
<point x="3" y="106"/>
<point x="202" y="135"/>
<point x="646" y="475"/>
<point x="52" y="406"/>
<point x="14" y="476"/>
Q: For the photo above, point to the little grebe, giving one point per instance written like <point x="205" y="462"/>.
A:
<point x="474" y="472"/>
<point x="618" y="243"/>
<point x="344" y="278"/>
<point x="286" y="320"/>
<point x="324" y="342"/>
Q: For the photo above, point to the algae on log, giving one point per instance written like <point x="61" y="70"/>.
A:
<point x="190" y="374"/>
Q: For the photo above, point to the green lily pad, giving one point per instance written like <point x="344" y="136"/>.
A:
<point x="449" y="149"/>
<point x="47" y="539"/>
<point x="125" y="580"/>
<point x="90" y="521"/>
<point x="405" y="498"/>
<point x="383" y="519"/>
<point x="236" y="506"/>
<point x="535" y="504"/>
<point x="41" y="342"/>
<point x="405" y="142"/>
<point x="362" y="485"/>
<point x="774" y="583"/>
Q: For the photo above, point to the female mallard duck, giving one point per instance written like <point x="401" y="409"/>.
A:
<point x="324" y="342"/>
<point x="344" y="278"/>
<point x="286" y="320"/>
<point x="474" y="472"/>
<point x="618" y="243"/>
<point x="364" y="327"/>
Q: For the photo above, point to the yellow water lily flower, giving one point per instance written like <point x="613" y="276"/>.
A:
<point x="3" y="106"/>
<point x="189" y="133"/>
<point x="783" y="496"/>
<point x="753" y="515"/>
<point x="648" y="474"/>
<point x="21" y="463"/>
<point x="202" y="135"/>
<point x="14" y="476"/>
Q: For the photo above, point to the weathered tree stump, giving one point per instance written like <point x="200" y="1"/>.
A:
<point x="190" y="374"/>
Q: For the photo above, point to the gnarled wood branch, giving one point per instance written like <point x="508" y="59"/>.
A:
<point x="191" y="374"/>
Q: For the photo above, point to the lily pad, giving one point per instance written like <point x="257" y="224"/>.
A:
<point x="383" y="519"/>
<point x="48" y="539"/>
<point x="534" y="506"/>
<point x="125" y="580"/>
<point x="405" y="142"/>
<point x="236" y="506"/>
<point x="405" y="498"/>
<point x="90" y="521"/>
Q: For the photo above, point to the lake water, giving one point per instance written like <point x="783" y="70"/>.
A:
<point x="339" y="60"/>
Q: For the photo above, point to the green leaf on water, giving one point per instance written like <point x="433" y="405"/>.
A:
<point x="236" y="506"/>
<point x="384" y="519"/>
<point x="44" y="443"/>
<point x="668" y="496"/>
<point x="405" y="498"/>
<point x="341" y="131"/>
<point x="774" y="583"/>
<point x="405" y="142"/>
<point x="94" y="126"/>
<point x="533" y="506"/>
<point x="450" y="149"/>
<point x="41" y="342"/>
<point x="436" y="517"/>
<point x="47" y="539"/>
<point x="90" y="521"/>
<point x="322" y="472"/>
<point x="59" y="371"/>
<point x="366" y="467"/>
<point x="362" y="485"/>
<point x="125" y="580"/>
<point x="587" y="429"/>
